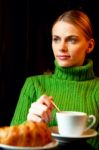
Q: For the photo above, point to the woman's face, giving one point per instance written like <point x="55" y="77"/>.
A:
<point x="69" y="44"/>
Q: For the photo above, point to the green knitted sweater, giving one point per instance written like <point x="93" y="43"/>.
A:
<point x="72" y="88"/>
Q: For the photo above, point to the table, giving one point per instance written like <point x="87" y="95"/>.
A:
<point x="72" y="146"/>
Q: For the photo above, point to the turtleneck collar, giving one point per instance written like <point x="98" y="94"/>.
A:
<point x="79" y="73"/>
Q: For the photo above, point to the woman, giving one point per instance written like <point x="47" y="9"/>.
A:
<point x="73" y="85"/>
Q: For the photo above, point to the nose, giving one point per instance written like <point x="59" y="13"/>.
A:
<point x="63" y="46"/>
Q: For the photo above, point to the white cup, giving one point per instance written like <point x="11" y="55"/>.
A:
<point x="72" y="123"/>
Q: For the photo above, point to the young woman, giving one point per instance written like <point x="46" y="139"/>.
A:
<point x="73" y="85"/>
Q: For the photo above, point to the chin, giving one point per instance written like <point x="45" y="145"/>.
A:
<point x="64" y="64"/>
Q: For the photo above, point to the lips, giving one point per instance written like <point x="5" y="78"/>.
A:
<point x="63" y="57"/>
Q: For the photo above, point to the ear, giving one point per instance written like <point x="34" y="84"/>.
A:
<point x="91" y="44"/>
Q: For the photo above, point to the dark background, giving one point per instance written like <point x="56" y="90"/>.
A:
<point x="25" y="43"/>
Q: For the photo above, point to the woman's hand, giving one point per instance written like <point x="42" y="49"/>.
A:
<point x="41" y="109"/>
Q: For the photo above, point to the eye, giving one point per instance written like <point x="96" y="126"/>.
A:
<point x="72" y="40"/>
<point x="55" y="39"/>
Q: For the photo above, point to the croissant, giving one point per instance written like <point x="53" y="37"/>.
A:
<point x="28" y="134"/>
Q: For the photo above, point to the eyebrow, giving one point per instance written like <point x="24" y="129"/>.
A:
<point x="67" y="37"/>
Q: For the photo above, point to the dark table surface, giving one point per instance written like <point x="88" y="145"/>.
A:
<point x="71" y="146"/>
<point x="74" y="146"/>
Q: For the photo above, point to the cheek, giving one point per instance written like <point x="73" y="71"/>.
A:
<point x="78" y="49"/>
<point x="54" y="48"/>
<point x="79" y="55"/>
<point x="74" y="50"/>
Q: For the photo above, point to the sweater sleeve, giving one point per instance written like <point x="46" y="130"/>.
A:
<point x="95" y="141"/>
<point x="97" y="95"/>
<point x="27" y="96"/>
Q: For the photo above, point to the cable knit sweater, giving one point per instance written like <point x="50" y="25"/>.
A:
<point x="72" y="88"/>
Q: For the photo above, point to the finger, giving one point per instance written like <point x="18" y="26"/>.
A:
<point x="46" y="115"/>
<point x="49" y="116"/>
<point x="47" y="100"/>
<point x="51" y="105"/>
<point x="38" y="108"/>
<point x="44" y="99"/>
<point x="41" y="113"/>
<point x="34" y="118"/>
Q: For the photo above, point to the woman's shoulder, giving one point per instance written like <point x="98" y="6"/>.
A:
<point x="38" y="77"/>
<point x="97" y="80"/>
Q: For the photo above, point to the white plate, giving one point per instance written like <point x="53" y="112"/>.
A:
<point x="51" y="145"/>
<point x="65" y="139"/>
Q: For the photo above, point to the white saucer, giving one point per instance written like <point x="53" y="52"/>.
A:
<point x="51" y="145"/>
<point x="86" y="135"/>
